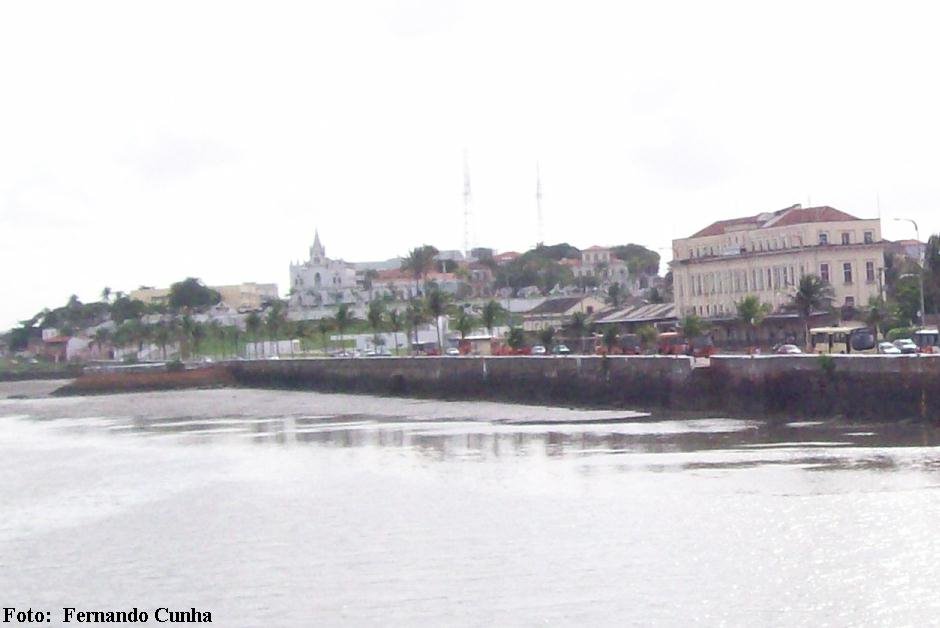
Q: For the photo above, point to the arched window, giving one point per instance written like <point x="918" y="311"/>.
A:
<point x="316" y="280"/>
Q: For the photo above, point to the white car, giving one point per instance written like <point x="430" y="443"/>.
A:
<point x="906" y="345"/>
<point x="452" y="351"/>
<point x="788" y="350"/>
<point x="888" y="349"/>
<point x="539" y="350"/>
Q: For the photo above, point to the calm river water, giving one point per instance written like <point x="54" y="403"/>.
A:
<point x="273" y="508"/>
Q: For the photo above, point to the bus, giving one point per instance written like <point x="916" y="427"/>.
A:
<point x="928" y="340"/>
<point x="843" y="340"/>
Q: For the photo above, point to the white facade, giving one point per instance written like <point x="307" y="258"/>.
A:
<point x="320" y="280"/>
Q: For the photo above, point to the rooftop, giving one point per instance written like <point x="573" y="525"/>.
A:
<point x="793" y="215"/>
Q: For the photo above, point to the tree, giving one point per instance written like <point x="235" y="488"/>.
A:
<point x="515" y="339"/>
<point x="368" y="279"/>
<point x="577" y="327"/>
<point x="343" y="319"/>
<point x="253" y="326"/>
<point x="419" y="262"/>
<point x="415" y="316"/>
<point x="106" y="294"/>
<point x="811" y="295"/>
<point x="492" y="313"/>
<point x="198" y="335"/>
<point x="191" y="293"/>
<point x="437" y="307"/>
<point x="464" y="323"/>
<point x="395" y="323"/>
<point x="324" y="325"/>
<point x="611" y="336"/>
<point x="692" y="327"/>
<point x="275" y="321"/>
<point x="546" y="335"/>
<point x="751" y="312"/>
<point x="102" y="335"/>
<point x="877" y="314"/>
<point x="123" y="309"/>
<point x="161" y="335"/>
<point x="376" y="316"/>
<point x="615" y="294"/>
<point x="647" y="335"/>
<point x="639" y="259"/>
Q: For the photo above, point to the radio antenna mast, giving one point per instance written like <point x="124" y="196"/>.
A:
<point x="466" y="204"/>
<point x="538" y="204"/>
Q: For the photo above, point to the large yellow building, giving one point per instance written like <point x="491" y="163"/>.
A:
<point x="241" y="296"/>
<point x="766" y="255"/>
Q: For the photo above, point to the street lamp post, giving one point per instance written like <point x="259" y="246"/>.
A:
<point x="920" y="258"/>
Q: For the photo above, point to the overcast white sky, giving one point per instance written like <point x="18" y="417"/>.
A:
<point x="141" y="143"/>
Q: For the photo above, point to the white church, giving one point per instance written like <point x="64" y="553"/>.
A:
<point x="320" y="280"/>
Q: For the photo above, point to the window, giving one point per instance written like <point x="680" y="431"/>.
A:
<point x="823" y="237"/>
<point x="847" y="272"/>
<point x="870" y="272"/>
<point x="850" y="301"/>
<point x="846" y="238"/>
<point x="869" y="237"/>
<point x="824" y="272"/>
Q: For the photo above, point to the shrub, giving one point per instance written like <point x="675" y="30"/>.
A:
<point x="899" y="332"/>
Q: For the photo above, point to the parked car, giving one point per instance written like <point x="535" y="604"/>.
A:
<point x="888" y="349"/>
<point x="452" y="351"/>
<point x="561" y="350"/>
<point x="539" y="350"/>
<point x="787" y="349"/>
<point x="906" y="345"/>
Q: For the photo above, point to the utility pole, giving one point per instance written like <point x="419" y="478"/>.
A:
<point x="923" y="263"/>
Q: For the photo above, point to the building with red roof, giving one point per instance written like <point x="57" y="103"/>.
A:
<point x="766" y="254"/>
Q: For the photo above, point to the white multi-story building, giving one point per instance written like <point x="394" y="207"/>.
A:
<point x="766" y="255"/>
<point x="321" y="280"/>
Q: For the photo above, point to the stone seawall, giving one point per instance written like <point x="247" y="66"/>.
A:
<point x="639" y="381"/>
<point x="853" y="387"/>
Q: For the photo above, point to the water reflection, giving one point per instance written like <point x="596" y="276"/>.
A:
<point x="719" y="443"/>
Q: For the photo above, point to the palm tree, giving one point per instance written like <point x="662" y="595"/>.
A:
<point x="752" y="312"/>
<point x="253" y="326"/>
<point x="611" y="336"/>
<point x="324" y="325"/>
<point x="464" y="323"/>
<point x="492" y="312"/>
<point x="546" y="335"/>
<point x="578" y="326"/>
<point x="395" y="323"/>
<point x="376" y="316"/>
<point x="342" y="320"/>
<point x="811" y="295"/>
<point x="419" y="262"/>
<point x="647" y="335"/>
<point x="102" y="335"/>
<point x="198" y="335"/>
<point x="161" y="335"/>
<point x="515" y="339"/>
<point x="415" y="316"/>
<point x="106" y="294"/>
<point x="275" y="322"/>
<point x="437" y="307"/>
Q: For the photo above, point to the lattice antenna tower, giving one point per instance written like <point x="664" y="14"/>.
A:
<point x="538" y="204"/>
<point x="467" y="198"/>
